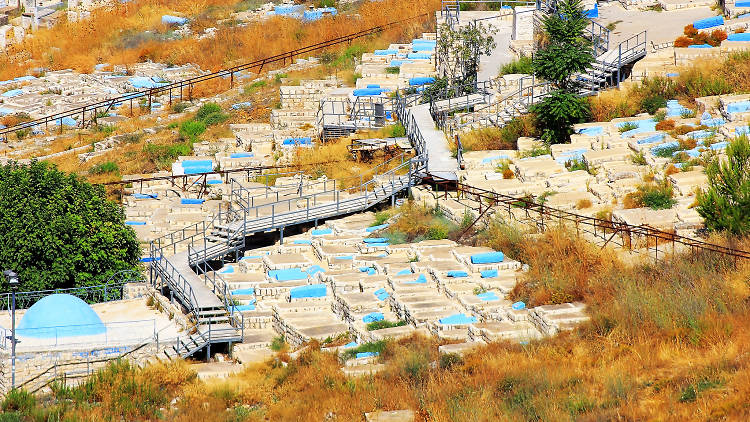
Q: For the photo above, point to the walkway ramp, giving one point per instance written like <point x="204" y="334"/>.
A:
<point x="440" y="160"/>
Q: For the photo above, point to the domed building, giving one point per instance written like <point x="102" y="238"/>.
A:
<point x="60" y="315"/>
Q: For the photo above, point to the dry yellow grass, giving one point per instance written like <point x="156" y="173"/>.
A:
<point x="666" y="341"/>
<point x="115" y="35"/>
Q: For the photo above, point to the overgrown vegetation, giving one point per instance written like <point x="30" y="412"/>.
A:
<point x="522" y="65"/>
<point x="693" y="37"/>
<point x="417" y="222"/>
<point x="60" y="231"/>
<point x="665" y="341"/>
<point x="706" y="78"/>
<point x="657" y="196"/>
<point x="566" y="52"/>
<point x="725" y="204"/>
<point x="505" y="137"/>
<point x="379" y="325"/>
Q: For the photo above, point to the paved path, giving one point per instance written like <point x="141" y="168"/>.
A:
<point x="203" y="295"/>
<point x="440" y="160"/>
<point x="661" y="26"/>
<point x="489" y="65"/>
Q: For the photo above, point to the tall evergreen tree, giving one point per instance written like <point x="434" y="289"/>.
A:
<point x="565" y="52"/>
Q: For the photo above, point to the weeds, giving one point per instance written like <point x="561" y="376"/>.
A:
<point x="379" y="325"/>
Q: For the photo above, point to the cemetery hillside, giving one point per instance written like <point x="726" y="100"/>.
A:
<point x="374" y="210"/>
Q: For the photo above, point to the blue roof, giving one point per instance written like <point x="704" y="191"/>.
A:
<point x="60" y="315"/>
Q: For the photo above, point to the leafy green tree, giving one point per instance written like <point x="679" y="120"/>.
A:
<point x="558" y="112"/>
<point x="725" y="204"/>
<point x="59" y="231"/>
<point x="460" y="50"/>
<point x="565" y="52"/>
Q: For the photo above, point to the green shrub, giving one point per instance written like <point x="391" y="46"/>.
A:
<point x="105" y="167"/>
<point x="397" y="131"/>
<point x="18" y="400"/>
<point x="180" y="107"/>
<point x="164" y="155"/>
<point x="656" y="197"/>
<point x="393" y="70"/>
<point x="666" y="152"/>
<point x="380" y="218"/>
<point x="278" y="343"/>
<point x="725" y="204"/>
<point x="576" y="164"/>
<point x="379" y="325"/>
<point x="627" y="126"/>
<point x="22" y="133"/>
<point x="191" y="129"/>
<point x="659" y="116"/>
<point x="653" y="103"/>
<point x="373" y="347"/>
<point x="521" y="65"/>
<point x="449" y="360"/>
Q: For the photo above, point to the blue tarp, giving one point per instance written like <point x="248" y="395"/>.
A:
<point x="315" y="269"/>
<point x="743" y="36"/>
<point x="665" y="145"/>
<point x="700" y="134"/>
<point x="398" y="63"/>
<point x="243" y="292"/>
<point x="457" y="274"/>
<point x="376" y="228"/>
<point x="367" y="355"/>
<point x="214" y="182"/>
<point x="321" y="232"/>
<point x="404" y="272"/>
<point x="144" y="82"/>
<point x="367" y="92"/>
<point x="302" y="242"/>
<point x="719" y="145"/>
<point x="246" y="104"/>
<point x="190" y="201"/>
<point x="385" y="52"/>
<point x="67" y="121"/>
<point x="487" y="258"/>
<point x="375" y="240"/>
<point x="297" y="141"/>
<point x="648" y="125"/>
<point x="738" y="107"/>
<point x="313" y="290"/>
<point x="288" y="274"/>
<point x="371" y="271"/>
<point x="420" y="280"/>
<point x="742" y="4"/>
<point x="657" y="137"/>
<point x="242" y="308"/>
<point x="592" y="13"/>
<point x="135" y="223"/>
<point x="149" y="259"/>
<point x="241" y="155"/>
<point x="700" y="46"/>
<point x="419" y="81"/>
<point x="713" y="122"/>
<point x="518" y="306"/>
<point x="488" y="273"/>
<point x="742" y="130"/>
<point x="458" y="319"/>
<point x="709" y="22"/>
<point x="173" y="20"/>
<point x="227" y="270"/>
<point x="344" y="258"/>
<point x="381" y="294"/>
<point x="673" y="74"/>
<point x="350" y="345"/>
<point x="145" y="195"/>
<point x="488" y="296"/>
<point x="675" y="109"/>
<point x="591" y="131"/>
<point x="197" y="166"/>
<point x="419" y="56"/>
<point x="488" y="160"/>
<point x="12" y="93"/>
<point x="372" y="317"/>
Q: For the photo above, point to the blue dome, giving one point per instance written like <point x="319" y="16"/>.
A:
<point x="60" y="315"/>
